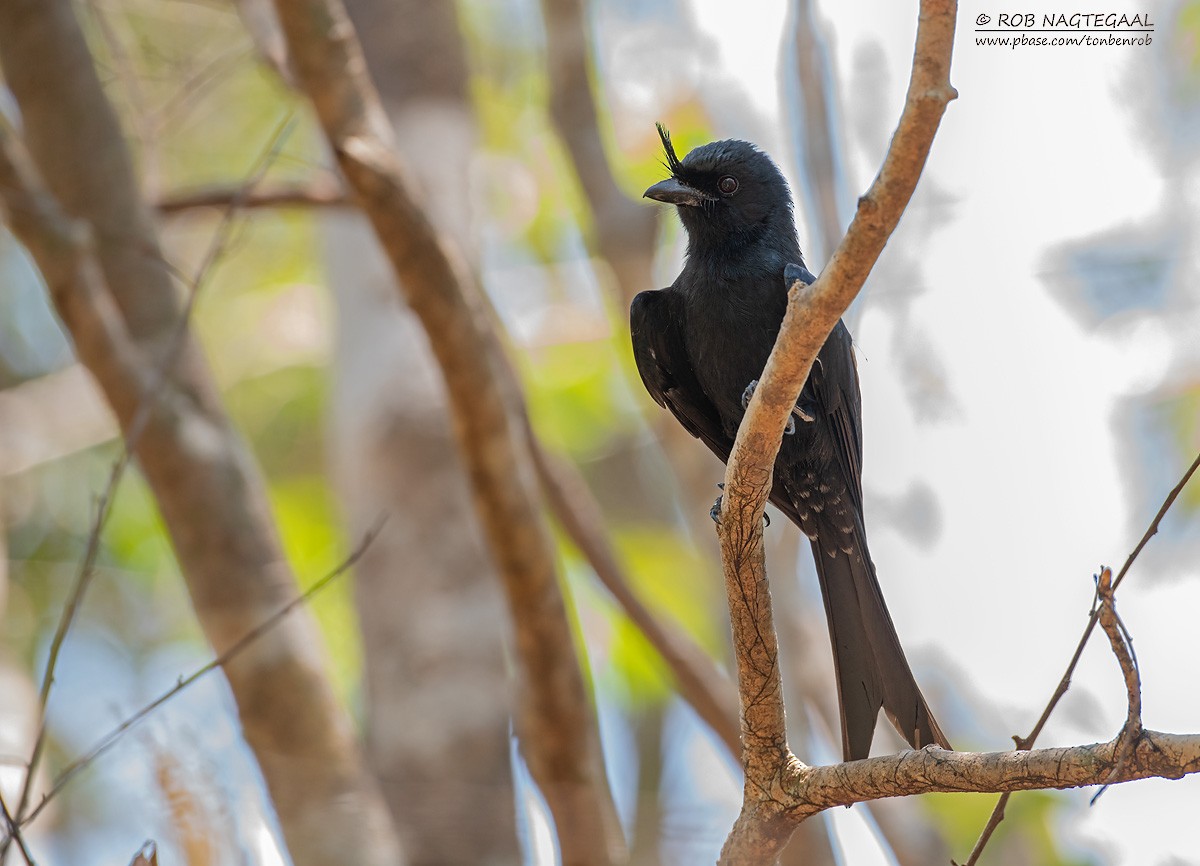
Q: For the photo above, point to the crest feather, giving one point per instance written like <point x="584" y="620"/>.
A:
<point x="668" y="148"/>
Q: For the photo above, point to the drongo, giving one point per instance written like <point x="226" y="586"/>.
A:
<point x="701" y="345"/>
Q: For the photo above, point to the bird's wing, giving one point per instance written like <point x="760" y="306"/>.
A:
<point x="656" y="325"/>
<point x="832" y="387"/>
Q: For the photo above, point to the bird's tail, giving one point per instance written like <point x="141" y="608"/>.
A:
<point x="872" y="671"/>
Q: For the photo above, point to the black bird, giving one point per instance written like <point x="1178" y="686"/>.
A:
<point x="701" y="345"/>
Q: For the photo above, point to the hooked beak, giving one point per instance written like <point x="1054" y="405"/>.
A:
<point x="672" y="191"/>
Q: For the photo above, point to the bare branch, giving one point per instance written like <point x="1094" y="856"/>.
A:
<point x="110" y="739"/>
<point x="1122" y="646"/>
<point x="555" y="721"/>
<point x="808" y="790"/>
<point x="118" y="301"/>
<point x="764" y="826"/>
<point x="319" y="193"/>
<point x="12" y="832"/>
<point x="1152" y="529"/>
<point x="1064" y="683"/>
<point x="699" y="681"/>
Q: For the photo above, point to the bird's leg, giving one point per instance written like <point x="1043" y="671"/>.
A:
<point x="796" y="413"/>
<point x="715" y="511"/>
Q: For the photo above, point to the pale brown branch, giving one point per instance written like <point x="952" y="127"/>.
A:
<point x="319" y="193"/>
<point x="554" y="716"/>
<point x="764" y="825"/>
<point x="101" y="260"/>
<point x="1122" y="647"/>
<point x="932" y="769"/>
<point x="1064" y="683"/>
<point x="698" y="679"/>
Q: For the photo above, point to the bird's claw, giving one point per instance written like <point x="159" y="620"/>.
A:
<point x="715" y="511"/>
<point x="748" y="393"/>
<point x="790" y="429"/>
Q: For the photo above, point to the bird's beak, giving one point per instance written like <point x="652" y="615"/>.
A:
<point x="672" y="191"/>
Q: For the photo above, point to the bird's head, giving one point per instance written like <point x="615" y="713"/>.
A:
<point x="726" y="191"/>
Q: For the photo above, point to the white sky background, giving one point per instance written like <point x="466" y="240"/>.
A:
<point x="1041" y="148"/>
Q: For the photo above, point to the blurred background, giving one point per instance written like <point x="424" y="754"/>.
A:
<point x="1030" y="370"/>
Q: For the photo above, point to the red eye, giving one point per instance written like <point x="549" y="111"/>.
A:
<point x="728" y="185"/>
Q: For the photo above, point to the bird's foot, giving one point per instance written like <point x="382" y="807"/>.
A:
<point x="715" y="511"/>
<point x="791" y="422"/>
<point x="748" y="393"/>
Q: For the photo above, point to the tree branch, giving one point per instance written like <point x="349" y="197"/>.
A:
<point x="697" y="678"/>
<point x="100" y="257"/>
<point x="319" y="193"/>
<point x="554" y="718"/>
<point x="109" y="740"/>
<point x="765" y="822"/>
<point x="1064" y="683"/>
<point x="808" y="790"/>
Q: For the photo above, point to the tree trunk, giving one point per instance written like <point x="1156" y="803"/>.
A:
<point x="434" y="623"/>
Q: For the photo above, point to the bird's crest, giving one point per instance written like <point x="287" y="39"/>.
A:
<point x="668" y="148"/>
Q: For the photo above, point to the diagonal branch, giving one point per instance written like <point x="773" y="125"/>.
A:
<point x="1064" y="683"/>
<point x="699" y="681"/>
<point x="764" y="826"/>
<point x="110" y="739"/>
<point x="555" y="722"/>
<point x="83" y="221"/>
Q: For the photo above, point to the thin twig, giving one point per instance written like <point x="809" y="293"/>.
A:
<point x="149" y="400"/>
<point x="1152" y="530"/>
<point x="319" y="193"/>
<point x="1065" y="682"/>
<point x="87" y="570"/>
<point x="1122" y="647"/>
<point x="109" y="740"/>
<point x="13" y="832"/>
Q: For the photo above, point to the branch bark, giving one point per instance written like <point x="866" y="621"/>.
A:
<point x="554" y="717"/>
<point x="698" y="679"/>
<point x="766" y="821"/>
<point x="808" y="790"/>
<point x="128" y="323"/>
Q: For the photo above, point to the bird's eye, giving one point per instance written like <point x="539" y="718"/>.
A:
<point x="728" y="185"/>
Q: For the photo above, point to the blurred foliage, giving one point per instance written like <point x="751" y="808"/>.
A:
<point x="1029" y="833"/>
